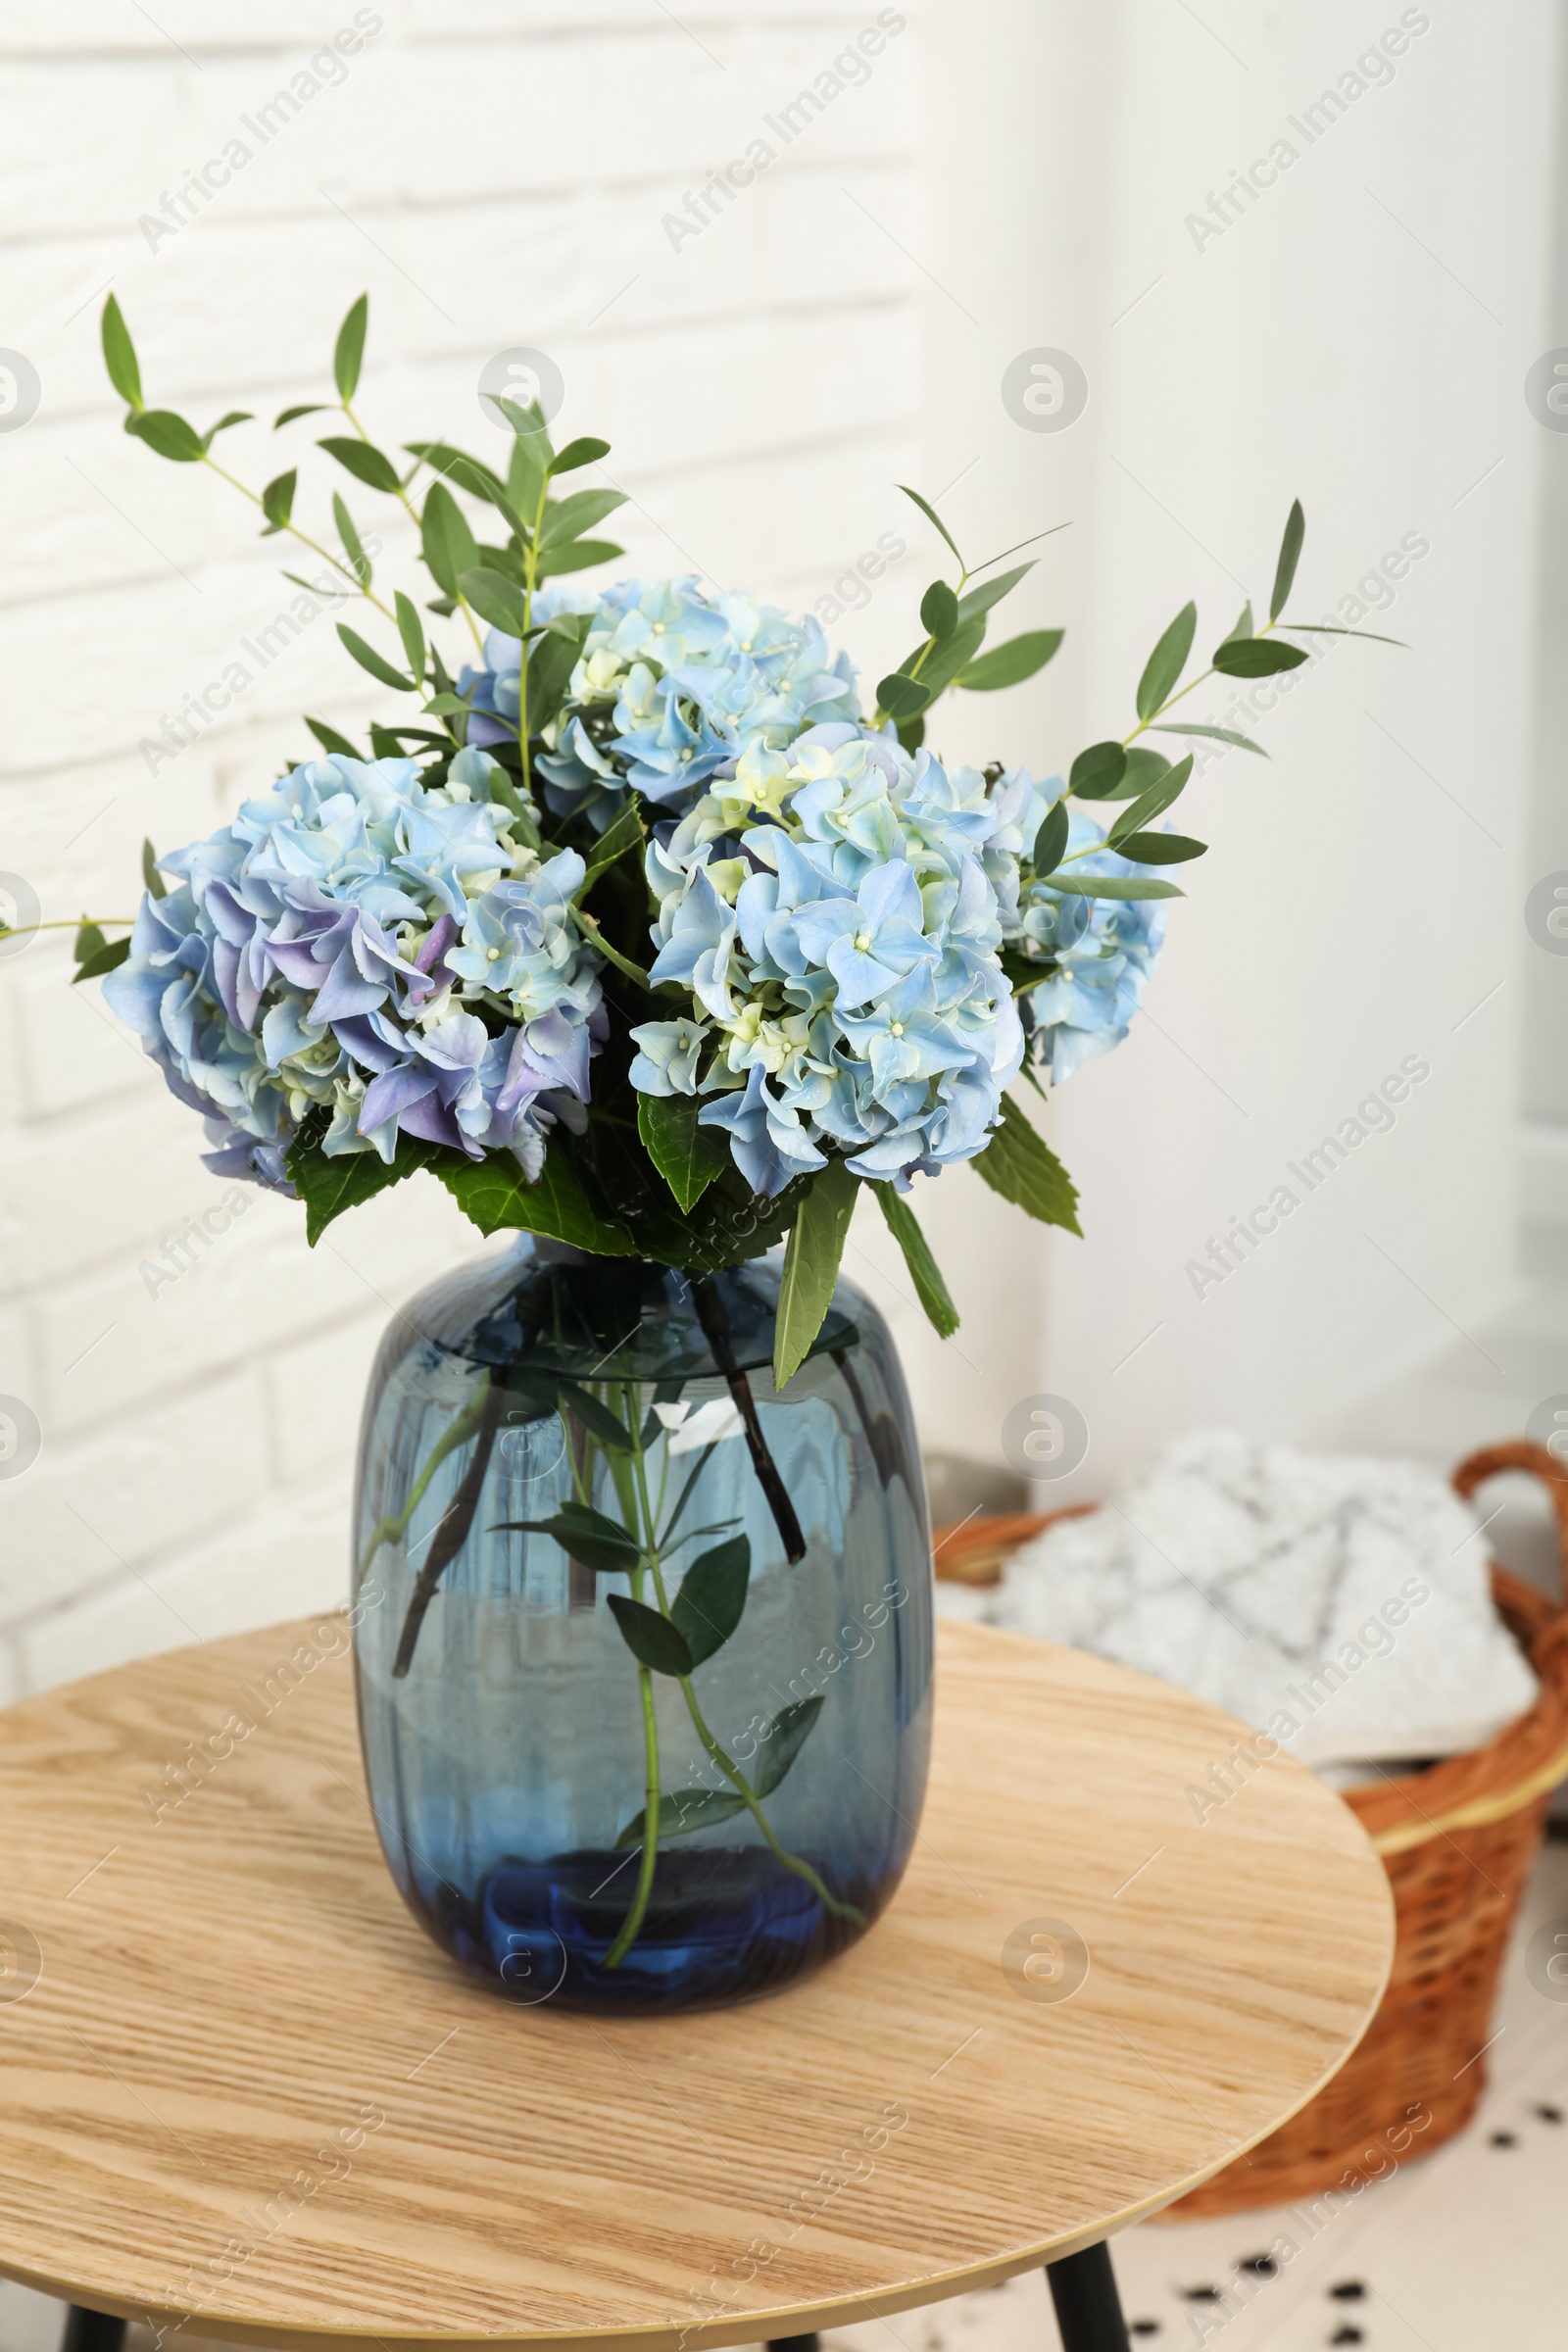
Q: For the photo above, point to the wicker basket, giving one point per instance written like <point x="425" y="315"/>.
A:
<point x="1459" y="1842"/>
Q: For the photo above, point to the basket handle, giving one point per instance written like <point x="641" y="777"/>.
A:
<point x="1521" y="1454"/>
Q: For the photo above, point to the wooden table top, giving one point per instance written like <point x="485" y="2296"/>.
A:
<point x="244" y="2087"/>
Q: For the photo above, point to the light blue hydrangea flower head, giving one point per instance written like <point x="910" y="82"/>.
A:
<point x="828" y="908"/>
<point x="360" y="942"/>
<point x="1105" y="951"/>
<point x="671" y="688"/>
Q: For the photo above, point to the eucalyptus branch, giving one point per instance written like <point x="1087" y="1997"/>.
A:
<point x="412" y="513"/>
<point x="304" y="538"/>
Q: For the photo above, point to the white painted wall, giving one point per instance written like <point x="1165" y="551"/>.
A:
<point x="497" y="173"/>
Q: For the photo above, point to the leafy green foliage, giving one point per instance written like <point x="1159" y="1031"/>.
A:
<point x="939" y="609"/>
<point x="931" y="516"/>
<point x="331" y="741"/>
<point x="167" y="435"/>
<point x="369" y="659"/>
<point x="782" y="1741"/>
<point x="1151" y="804"/>
<point x="682" y="1812"/>
<point x="1114" y="886"/>
<point x="120" y="354"/>
<point x="901" y="696"/>
<point x="366" y="463"/>
<point x="653" y="1641"/>
<point x="106" y="956"/>
<point x="1010" y="663"/>
<point x="1289" y="557"/>
<point x="349" y="351"/>
<point x="495" y="599"/>
<point x="493" y="1193"/>
<point x="1050" y="842"/>
<point x="585" y="1535"/>
<point x="812" y="1265"/>
<point x="924" y="1272"/>
<point x="1020" y="1165"/>
<point x="330" y="1186"/>
<point x="585" y="451"/>
<point x="688" y="1156"/>
<point x="412" y="631"/>
<point x="449" y="546"/>
<point x="576" y="514"/>
<point x="152" y="880"/>
<point x="1241" y="742"/>
<point x="712" y="1596"/>
<point x="977" y="602"/>
<point x="277" y="501"/>
<point x="1255" y="656"/>
<point x="1166" y="662"/>
<point x="358" y="561"/>
<point x="578" y="555"/>
<point x="1096" y="773"/>
<point x="1161" y="849"/>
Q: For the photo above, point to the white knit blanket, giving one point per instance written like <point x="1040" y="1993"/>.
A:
<point x="1341" y="1605"/>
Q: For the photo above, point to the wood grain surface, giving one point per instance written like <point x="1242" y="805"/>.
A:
<point x="245" y="2097"/>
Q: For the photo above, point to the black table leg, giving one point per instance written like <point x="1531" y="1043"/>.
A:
<point x="91" y="2331"/>
<point x="792" y="2344"/>
<point x="1083" y="2287"/>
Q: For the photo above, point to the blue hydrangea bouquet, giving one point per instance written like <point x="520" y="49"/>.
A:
<point x="630" y="926"/>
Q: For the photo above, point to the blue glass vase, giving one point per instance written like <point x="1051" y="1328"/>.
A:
<point x="606" y="1576"/>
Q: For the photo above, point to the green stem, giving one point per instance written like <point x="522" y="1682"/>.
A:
<point x="409" y="505"/>
<point x="632" y="1923"/>
<point x="304" y="540"/>
<point x="393" y="1528"/>
<point x="1171" y="701"/>
<point x="530" y="581"/>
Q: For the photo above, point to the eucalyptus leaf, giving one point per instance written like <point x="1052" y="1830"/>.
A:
<point x="1096" y="773"/>
<point x="277" y="500"/>
<point x="120" y="354"/>
<point x="169" y="435"/>
<point x="1289" y="557"/>
<point x="585" y="451"/>
<point x="366" y="463"/>
<point x="103" y="959"/>
<point x="576" y="514"/>
<point x="976" y="602"/>
<point x="369" y="659"/>
<point x="1151" y="804"/>
<point x="1244" y="623"/>
<point x="353" y="545"/>
<point x="304" y="408"/>
<point x="412" y="631"/>
<point x="652" y="1639"/>
<point x="712" y="1596"/>
<point x="1242" y="743"/>
<point x="901" y="696"/>
<point x="939" y="609"/>
<point x="232" y="416"/>
<point x="1161" y="849"/>
<point x="331" y="741"/>
<point x="495" y="599"/>
<point x="349" y="351"/>
<point x="448" y="544"/>
<point x="1166" y="662"/>
<point x="931" y="516"/>
<point x="783" y="1741"/>
<point x="578" y="555"/>
<point x="812" y="1265"/>
<point x="595" y="1415"/>
<point x="1050" y="841"/>
<point x="156" y="887"/>
<point x="1255" y="658"/>
<point x="1324" y="628"/>
<point x="1008" y="664"/>
<point x="1113" y="886"/>
<point x="682" y="1812"/>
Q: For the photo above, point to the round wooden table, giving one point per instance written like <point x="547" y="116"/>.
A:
<point x="245" y="2097"/>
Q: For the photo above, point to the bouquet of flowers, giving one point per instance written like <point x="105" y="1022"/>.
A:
<point x="630" y="924"/>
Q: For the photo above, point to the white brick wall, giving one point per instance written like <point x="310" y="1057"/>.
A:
<point x="495" y="172"/>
